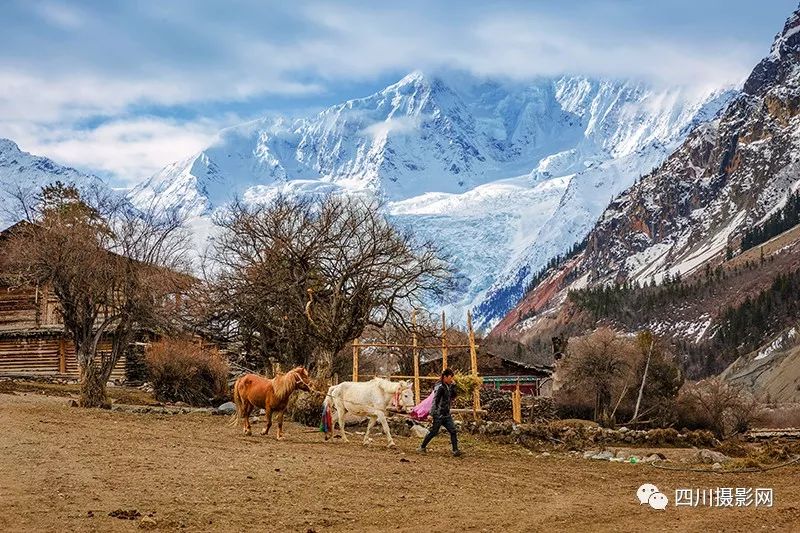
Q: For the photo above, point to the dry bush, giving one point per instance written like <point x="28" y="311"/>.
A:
<point x="665" y="436"/>
<point x="181" y="370"/>
<point x="718" y="406"/>
<point x="776" y="451"/>
<point x="701" y="438"/>
<point x="734" y="447"/>
<point x="782" y="416"/>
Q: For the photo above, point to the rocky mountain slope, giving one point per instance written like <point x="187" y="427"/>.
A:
<point x="666" y="253"/>
<point x="502" y="175"/>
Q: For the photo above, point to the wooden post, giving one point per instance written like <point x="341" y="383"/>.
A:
<point x="516" y="405"/>
<point x="416" y="356"/>
<point x="444" y="342"/>
<point x="356" y="349"/>
<point x="62" y="357"/>
<point x="473" y="359"/>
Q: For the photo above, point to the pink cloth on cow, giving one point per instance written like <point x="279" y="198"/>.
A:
<point x="421" y="411"/>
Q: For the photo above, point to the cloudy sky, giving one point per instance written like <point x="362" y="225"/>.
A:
<point x="122" y="88"/>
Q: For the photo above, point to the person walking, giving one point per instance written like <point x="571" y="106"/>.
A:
<point x="443" y="395"/>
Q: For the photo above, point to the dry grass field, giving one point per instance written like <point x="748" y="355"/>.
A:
<point x="68" y="469"/>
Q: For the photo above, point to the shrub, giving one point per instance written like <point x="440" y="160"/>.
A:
<point x="716" y="405"/>
<point x="466" y="383"/>
<point x="665" y="436"/>
<point x="734" y="447"/>
<point x="701" y="438"/>
<point x="781" y="416"/>
<point x="181" y="370"/>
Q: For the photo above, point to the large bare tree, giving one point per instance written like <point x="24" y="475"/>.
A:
<point x="600" y="363"/>
<point x="114" y="270"/>
<point x="310" y="274"/>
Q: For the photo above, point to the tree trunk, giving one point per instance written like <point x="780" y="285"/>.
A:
<point x="644" y="380"/>
<point x="323" y="364"/>
<point x="93" y="387"/>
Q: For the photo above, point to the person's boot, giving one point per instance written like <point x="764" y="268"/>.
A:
<point x="421" y="450"/>
<point x="457" y="453"/>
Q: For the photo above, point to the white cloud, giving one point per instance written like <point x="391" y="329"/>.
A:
<point x="398" y="126"/>
<point x="105" y="64"/>
<point x="516" y="43"/>
<point x="129" y="149"/>
<point x="60" y="15"/>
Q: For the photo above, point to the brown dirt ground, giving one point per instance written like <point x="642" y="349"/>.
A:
<point x="66" y="469"/>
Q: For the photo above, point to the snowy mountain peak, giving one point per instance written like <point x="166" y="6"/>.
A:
<point x="780" y="67"/>
<point x="415" y="78"/>
<point x="7" y="145"/>
<point x="24" y="173"/>
<point x="786" y="41"/>
<point x="518" y="170"/>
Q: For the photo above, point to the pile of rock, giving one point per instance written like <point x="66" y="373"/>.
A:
<point x="161" y="409"/>
<point x="498" y="406"/>
<point x="55" y="380"/>
<point x="541" y="409"/>
<point x="582" y="435"/>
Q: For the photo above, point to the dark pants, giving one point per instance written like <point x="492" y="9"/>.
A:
<point x="449" y="425"/>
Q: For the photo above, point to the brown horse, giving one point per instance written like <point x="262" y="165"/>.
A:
<point x="255" y="392"/>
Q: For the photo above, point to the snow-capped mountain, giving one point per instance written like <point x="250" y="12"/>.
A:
<point x="24" y="174"/>
<point x="669" y="253"/>
<point x="729" y="175"/>
<point x="503" y="175"/>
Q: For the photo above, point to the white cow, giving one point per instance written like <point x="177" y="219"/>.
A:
<point x="369" y="398"/>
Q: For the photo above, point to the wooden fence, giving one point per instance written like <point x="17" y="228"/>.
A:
<point x="444" y="346"/>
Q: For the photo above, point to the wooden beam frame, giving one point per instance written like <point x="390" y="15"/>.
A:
<point x="420" y="346"/>
<point x="473" y="359"/>
<point x="356" y="350"/>
<point x="416" y="347"/>
<point x="444" y="342"/>
<point x="416" y="356"/>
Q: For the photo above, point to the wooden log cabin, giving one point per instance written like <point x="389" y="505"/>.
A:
<point x="33" y="341"/>
<point x="32" y="337"/>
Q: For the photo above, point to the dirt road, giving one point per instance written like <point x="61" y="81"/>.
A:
<point x="66" y="469"/>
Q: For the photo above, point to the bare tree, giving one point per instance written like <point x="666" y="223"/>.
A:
<point x="600" y="362"/>
<point x="310" y="275"/>
<point x="113" y="269"/>
<point x="721" y="406"/>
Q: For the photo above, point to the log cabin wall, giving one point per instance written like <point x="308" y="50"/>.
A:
<point x="32" y="337"/>
<point x="18" y="309"/>
<point x="46" y="355"/>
